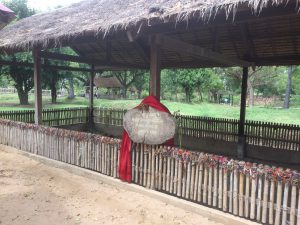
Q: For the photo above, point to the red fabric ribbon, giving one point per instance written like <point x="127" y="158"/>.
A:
<point x="125" y="157"/>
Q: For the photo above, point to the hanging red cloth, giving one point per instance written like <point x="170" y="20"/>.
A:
<point x="125" y="157"/>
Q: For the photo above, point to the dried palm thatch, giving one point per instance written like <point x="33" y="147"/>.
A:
<point x="107" y="82"/>
<point x="99" y="17"/>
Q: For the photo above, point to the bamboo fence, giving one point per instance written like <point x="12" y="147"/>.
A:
<point x="51" y="117"/>
<point x="268" y="195"/>
<point x="272" y="135"/>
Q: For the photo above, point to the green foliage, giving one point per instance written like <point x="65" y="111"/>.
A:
<point x="189" y="81"/>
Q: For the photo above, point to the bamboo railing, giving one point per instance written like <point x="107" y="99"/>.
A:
<point x="272" y="135"/>
<point x="51" y="117"/>
<point x="265" y="194"/>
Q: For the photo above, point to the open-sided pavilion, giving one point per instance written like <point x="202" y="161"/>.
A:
<point x="154" y="35"/>
<point x="114" y="35"/>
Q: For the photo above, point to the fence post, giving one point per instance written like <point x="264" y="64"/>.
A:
<point x="241" y="148"/>
<point x="91" y="97"/>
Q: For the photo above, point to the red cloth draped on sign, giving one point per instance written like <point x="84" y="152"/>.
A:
<point x="125" y="157"/>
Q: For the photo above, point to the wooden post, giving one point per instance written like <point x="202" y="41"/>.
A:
<point x="91" y="96"/>
<point x="155" y="67"/>
<point x="37" y="86"/>
<point x="241" y="149"/>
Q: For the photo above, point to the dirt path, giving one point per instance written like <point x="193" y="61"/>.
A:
<point x="37" y="194"/>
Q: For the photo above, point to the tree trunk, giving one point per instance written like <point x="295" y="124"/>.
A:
<point x="288" y="91"/>
<point x="139" y="94"/>
<point x="23" y="97"/>
<point x="53" y="94"/>
<point x="125" y="92"/>
<point x="53" y="90"/>
<point x="186" y="95"/>
<point x="251" y="93"/>
<point x="71" y="94"/>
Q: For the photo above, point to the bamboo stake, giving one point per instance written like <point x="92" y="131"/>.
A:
<point x="188" y="181"/>
<point x="205" y="185"/>
<point x="209" y="189"/>
<point x="225" y="191"/>
<point x="298" y="214"/>
<point x="152" y="184"/>
<point x="215" y="187"/>
<point x="278" y="203"/>
<point x="265" y="199"/>
<point x="253" y="197"/>
<point x="145" y="166"/>
<point x="259" y="193"/>
<point x="160" y="172"/>
<point x="271" y="207"/>
<point x="183" y="180"/>
<point x="241" y="189"/>
<point x="196" y="185"/>
<point x="293" y="205"/>
<point x="284" y="204"/>
<point x="220" y="190"/>
<point x="200" y="186"/>
<point x="179" y="184"/>
<point x="164" y="173"/>
<point x="175" y="177"/>
<point x="231" y="191"/>
<point x="235" y="189"/>
<point x="168" y="173"/>
<point x="142" y="162"/>
<point x="137" y="166"/>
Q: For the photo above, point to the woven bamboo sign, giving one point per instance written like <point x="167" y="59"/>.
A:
<point x="149" y="126"/>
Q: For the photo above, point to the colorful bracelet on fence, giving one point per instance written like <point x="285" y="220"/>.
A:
<point x="184" y="156"/>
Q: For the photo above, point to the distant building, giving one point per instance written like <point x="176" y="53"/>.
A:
<point x="6" y="15"/>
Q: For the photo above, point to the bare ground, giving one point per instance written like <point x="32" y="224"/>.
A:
<point x="36" y="194"/>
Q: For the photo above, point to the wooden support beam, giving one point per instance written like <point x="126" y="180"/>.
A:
<point x="200" y="52"/>
<point x="98" y="64"/>
<point x="155" y="66"/>
<point x="37" y="86"/>
<point x="241" y="149"/>
<point x="52" y="67"/>
<point x="91" y="96"/>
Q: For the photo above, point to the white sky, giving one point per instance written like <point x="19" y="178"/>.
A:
<point x="46" y="5"/>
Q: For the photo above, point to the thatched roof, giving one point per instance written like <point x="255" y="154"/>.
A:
<point x="6" y="15"/>
<point x="100" y="17"/>
<point x="264" y="32"/>
<point x="107" y="82"/>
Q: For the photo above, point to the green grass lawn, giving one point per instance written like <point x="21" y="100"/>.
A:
<point x="277" y="115"/>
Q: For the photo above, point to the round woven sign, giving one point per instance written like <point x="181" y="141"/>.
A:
<point x="149" y="126"/>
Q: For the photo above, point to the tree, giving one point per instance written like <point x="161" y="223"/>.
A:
<point x="288" y="91"/>
<point x="189" y="79"/>
<point x="21" y="76"/>
<point x="141" y="82"/>
<point x="126" y="78"/>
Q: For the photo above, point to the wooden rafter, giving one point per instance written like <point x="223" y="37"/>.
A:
<point x="271" y="40"/>
<point x="248" y="42"/>
<point x="200" y="52"/>
<point x="229" y="31"/>
<point x="293" y="37"/>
